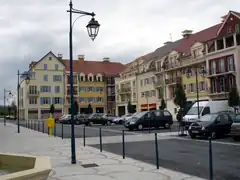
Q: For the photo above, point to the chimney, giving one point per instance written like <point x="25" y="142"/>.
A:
<point x="106" y="59"/>
<point x="166" y="43"/>
<point x="60" y="56"/>
<point x="81" y="57"/>
<point x="186" y="33"/>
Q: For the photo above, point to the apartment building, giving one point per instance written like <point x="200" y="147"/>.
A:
<point x="94" y="84"/>
<point x="45" y="88"/>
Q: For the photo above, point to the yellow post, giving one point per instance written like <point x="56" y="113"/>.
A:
<point x="50" y="124"/>
<point x="50" y="131"/>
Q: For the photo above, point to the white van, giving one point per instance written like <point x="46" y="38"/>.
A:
<point x="205" y="107"/>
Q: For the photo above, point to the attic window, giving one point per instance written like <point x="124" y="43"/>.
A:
<point x="50" y="58"/>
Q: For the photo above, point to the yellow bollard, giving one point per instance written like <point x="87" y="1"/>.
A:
<point x="50" y="124"/>
<point x="50" y="131"/>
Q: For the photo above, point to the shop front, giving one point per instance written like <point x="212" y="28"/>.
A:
<point x="146" y="107"/>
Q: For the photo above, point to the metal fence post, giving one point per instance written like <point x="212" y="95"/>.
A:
<point x="100" y="136"/>
<point x="156" y="150"/>
<point x="210" y="159"/>
<point x="55" y="130"/>
<point x="123" y="144"/>
<point x="62" y="130"/>
<point x="35" y="125"/>
<point x="43" y="127"/>
<point x="84" y="135"/>
<point x="38" y="126"/>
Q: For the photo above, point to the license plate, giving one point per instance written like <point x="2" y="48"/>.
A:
<point x="194" y="131"/>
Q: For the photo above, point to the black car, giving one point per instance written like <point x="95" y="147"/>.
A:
<point x="81" y="119"/>
<point x="211" y="125"/>
<point x="156" y="118"/>
<point x="96" y="118"/>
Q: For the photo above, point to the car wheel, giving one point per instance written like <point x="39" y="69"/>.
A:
<point x="193" y="136"/>
<point x="140" y="127"/>
<point x="120" y="122"/>
<point x="166" y="125"/>
<point x="236" y="138"/>
<point x="213" y="135"/>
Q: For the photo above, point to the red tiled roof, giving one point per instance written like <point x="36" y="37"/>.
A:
<point x="202" y="36"/>
<point x="95" y="67"/>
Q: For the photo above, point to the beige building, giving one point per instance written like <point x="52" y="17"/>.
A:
<point x="46" y="87"/>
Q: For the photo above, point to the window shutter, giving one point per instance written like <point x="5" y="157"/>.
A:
<point x="60" y="100"/>
<point x="53" y="101"/>
<point x="41" y="100"/>
<point x="206" y="85"/>
<point x="49" y="88"/>
<point x="200" y="86"/>
<point x="54" y="78"/>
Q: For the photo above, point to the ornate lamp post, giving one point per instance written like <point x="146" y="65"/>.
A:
<point x="93" y="28"/>
<point x="25" y="75"/>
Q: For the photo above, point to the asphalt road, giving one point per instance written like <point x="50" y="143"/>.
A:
<point x="93" y="131"/>
<point x="191" y="157"/>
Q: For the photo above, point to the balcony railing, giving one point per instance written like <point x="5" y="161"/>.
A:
<point x="124" y="90"/>
<point x="75" y="93"/>
<point x="173" y="80"/>
<point x="158" y="84"/>
<point x="33" y="93"/>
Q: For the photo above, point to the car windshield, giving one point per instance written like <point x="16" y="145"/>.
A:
<point x="139" y="114"/>
<point x="194" y="110"/>
<point x="208" y="117"/>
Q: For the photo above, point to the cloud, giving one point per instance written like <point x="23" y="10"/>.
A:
<point x="129" y="29"/>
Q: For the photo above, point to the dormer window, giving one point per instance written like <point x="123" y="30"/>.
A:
<point x="90" y="78"/>
<point x="49" y="58"/>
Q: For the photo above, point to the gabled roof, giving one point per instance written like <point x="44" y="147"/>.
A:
<point x="34" y="63"/>
<point x="201" y="36"/>
<point x="95" y="67"/>
<point x="236" y="14"/>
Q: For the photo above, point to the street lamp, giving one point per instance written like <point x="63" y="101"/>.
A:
<point x="202" y="72"/>
<point x="93" y="28"/>
<point x="25" y="75"/>
<point x="4" y="106"/>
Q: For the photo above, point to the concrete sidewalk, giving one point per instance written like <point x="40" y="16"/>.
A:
<point x="110" y="166"/>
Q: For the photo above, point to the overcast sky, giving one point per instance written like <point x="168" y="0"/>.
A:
<point x="129" y="28"/>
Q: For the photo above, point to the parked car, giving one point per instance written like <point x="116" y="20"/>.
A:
<point x="96" y="118"/>
<point x="11" y="117"/>
<point x="212" y="125"/>
<point x="81" y="119"/>
<point x="156" y="118"/>
<point x="235" y="129"/>
<point x="205" y="107"/>
<point x="109" y="118"/>
<point x="122" y="119"/>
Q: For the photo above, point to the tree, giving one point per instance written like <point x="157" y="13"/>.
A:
<point x="75" y="108"/>
<point x="163" y="104"/>
<point x="180" y="99"/>
<point x="130" y="107"/>
<point x="90" y="109"/>
<point x="52" y="109"/>
<point x="233" y="97"/>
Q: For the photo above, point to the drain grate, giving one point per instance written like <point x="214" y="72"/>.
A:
<point x="89" y="165"/>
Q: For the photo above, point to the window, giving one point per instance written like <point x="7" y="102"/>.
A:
<point x="57" y="78"/>
<point x="231" y="82"/>
<point x="237" y="29"/>
<point x="213" y="67"/>
<point x="142" y="94"/>
<point x="141" y="82"/>
<point x="134" y="83"/>
<point x="191" y="86"/>
<point x="202" y="86"/>
<point x="90" y="99"/>
<point x="45" y="66"/>
<point x="32" y="100"/>
<point x="90" y="89"/>
<point x="166" y="113"/>
<point x="33" y="76"/>
<point x="230" y="63"/>
<point x="45" y="78"/>
<point x="49" y="58"/>
<point x="222" y="66"/>
<point x="214" y="87"/>
<point x="57" y="100"/>
<point x="82" y="89"/>
<point x="81" y="99"/>
<point x="230" y="30"/>
<point x="57" y="89"/>
<point x="153" y="93"/>
<point x="45" y="88"/>
<point x="134" y="96"/>
<point x="45" y="100"/>
<point x="82" y="78"/>
<point x="32" y="90"/>
<point x="56" y="67"/>
<point x="99" y="99"/>
<point x="99" y="79"/>
<point x="90" y="78"/>
<point x="222" y="84"/>
<point x="184" y="87"/>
